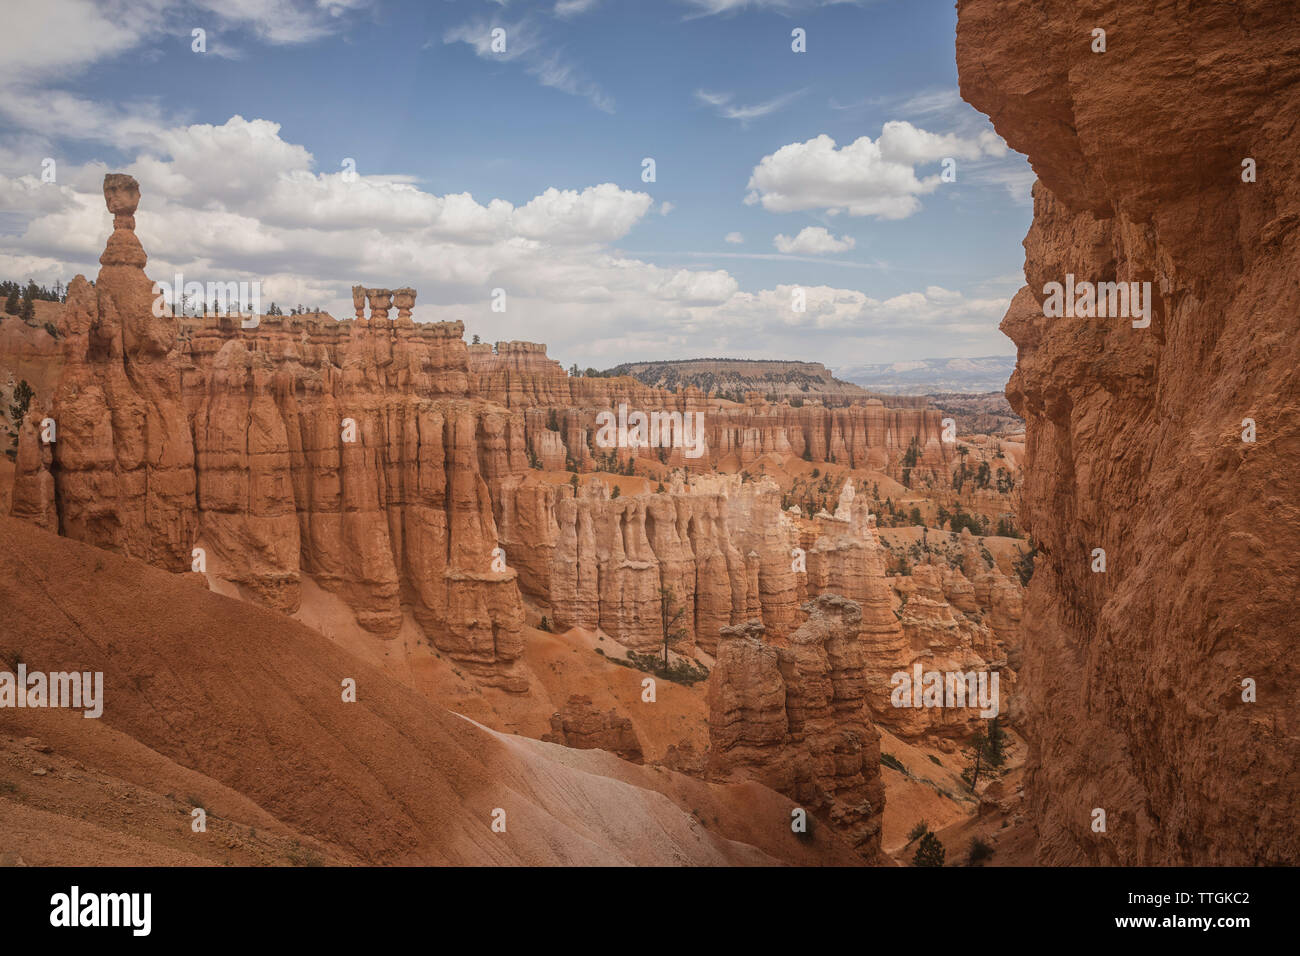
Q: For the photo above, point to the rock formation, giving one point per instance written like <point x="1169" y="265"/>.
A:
<point x="581" y="726"/>
<point x="389" y="461"/>
<point x="348" y="451"/>
<point x="866" y="434"/>
<point x="121" y="463"/>
<point x="944" y="633"/>
<point x="793" y="716"/>
<point x="1162" y="690"/>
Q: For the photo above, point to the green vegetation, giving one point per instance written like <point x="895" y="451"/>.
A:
<point x="979" y="852"/>
<point x="929" y="852"/>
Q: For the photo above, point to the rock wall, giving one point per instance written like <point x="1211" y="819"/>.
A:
<point x="793" y="716"/>
<point x="349" y="451"/>
<point x="387" y="459"/>
<point x="561" y="412"/>
<point x="1133" y="678"/>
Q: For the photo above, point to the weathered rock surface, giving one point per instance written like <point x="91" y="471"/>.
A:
<point x="349" y="451"/>
<point x="948" y="637"/>
<point x="793" y="716"/>
<point x="564" y="408"/>
<point x="124" y="478"/>
<point x="581" y="726"/>
<point x="1134" y="439"/>
<point x="388" y="460"/>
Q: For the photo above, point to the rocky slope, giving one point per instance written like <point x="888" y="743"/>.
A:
<point x="216" y="703"/>
<point x="1133" y="678"/>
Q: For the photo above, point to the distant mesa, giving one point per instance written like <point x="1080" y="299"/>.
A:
<point x="771" y="379"/>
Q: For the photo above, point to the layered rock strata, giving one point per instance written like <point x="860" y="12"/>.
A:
<point x="581" y="726"/>
<point x="347" y="451"/>
<point x="793" y="716"/>
<point x="1162" y="690"/>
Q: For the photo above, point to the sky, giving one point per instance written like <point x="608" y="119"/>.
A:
<point x="311" y="145"/>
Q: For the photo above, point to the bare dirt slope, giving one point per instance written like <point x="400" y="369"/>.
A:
<point x="211" y="700"/>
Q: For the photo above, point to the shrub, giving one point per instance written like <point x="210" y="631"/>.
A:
<point x="979" y="852"/>
<point x="929" y="852"/>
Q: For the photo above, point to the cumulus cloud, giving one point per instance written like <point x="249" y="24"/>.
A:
<point x="864" y="178"/>
<point x="734" y="238"/>
<point x="813" y="241"/>
<point x="236" y="201"/>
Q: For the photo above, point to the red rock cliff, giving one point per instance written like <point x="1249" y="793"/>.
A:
<point x="1133" y="678"/>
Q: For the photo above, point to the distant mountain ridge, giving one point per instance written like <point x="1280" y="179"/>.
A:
<point x="988" y="373"/>
<point x="776" y="379"/>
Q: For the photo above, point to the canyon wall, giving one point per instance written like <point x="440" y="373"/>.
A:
<point x="389" y="460"/>
<point x="560" y="413"/>
<point x="1164" y="689"/>
<point x="349" y="451"/>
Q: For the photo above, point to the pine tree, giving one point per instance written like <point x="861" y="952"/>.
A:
<point x="995" y="747"/>
<point x="670" y="616"/>
<point x="929" y="852"/>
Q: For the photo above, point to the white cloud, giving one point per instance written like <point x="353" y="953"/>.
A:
<point x="734" y="238"/>
<point x="722" y="102"/>
<point x="666" y="207"/>
<point x="813" y="241"/>
<point x="236" y="201"/>
<point x="864" y="178"/>
<point x="707" y="8"/>
<point x="571" y="8"/>
<point x="525" y="42"/>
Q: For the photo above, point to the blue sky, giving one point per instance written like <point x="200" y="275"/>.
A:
<point x="479" y="169"/>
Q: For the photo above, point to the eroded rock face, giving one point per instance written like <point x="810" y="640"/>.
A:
<point x="581" y="726"/>
<point x="562" y="422"/>
<point x="349" y="451"/>
<point x="1133" y="677"/>
<point x="121" y="466"/>
<point x="945" y="634"/>
<point x="793" y="716"/>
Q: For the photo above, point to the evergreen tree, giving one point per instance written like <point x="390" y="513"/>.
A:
<point x="929" y="852"/>
<point x="670" y="617"/>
